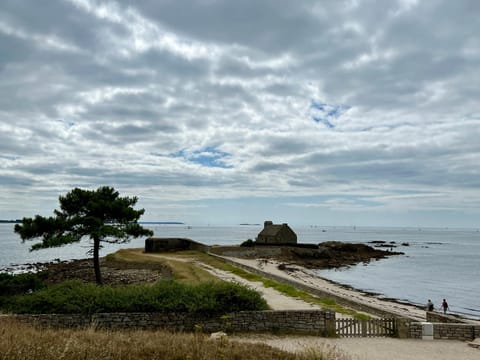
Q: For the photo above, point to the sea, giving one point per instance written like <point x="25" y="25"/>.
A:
<point x="437" y="263"/>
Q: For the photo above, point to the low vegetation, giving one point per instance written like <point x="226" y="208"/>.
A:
<point x="289" y="290"/>
<point x="19" y="284"/>
<point x="73" y="297"/>
<point x="19" y="341"/>
<point x="182" y="271"/>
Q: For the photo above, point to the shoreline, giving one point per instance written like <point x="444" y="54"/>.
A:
<point x="306" y="277"/>
<point x="303" y="276"/>
<point x="382" y="297"/>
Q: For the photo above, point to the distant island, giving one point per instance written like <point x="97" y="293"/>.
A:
<point x="245" y="224"/>
<point x="161" y="222"/>
<point x="17" y="221"/>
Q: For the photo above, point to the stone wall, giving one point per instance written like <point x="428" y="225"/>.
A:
<point x="464" y="332"/>
<point x="437" y="317"/>
<point x="415" y="330"/>
<point x="290" y="321"/>
<point x="447" y="331"/>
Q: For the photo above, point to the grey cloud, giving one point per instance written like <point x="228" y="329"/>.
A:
<point x="265" y="166"/>
<point x="268" y="25"/>
<point x="15" y="181"/>
<point x="284" y="146"/>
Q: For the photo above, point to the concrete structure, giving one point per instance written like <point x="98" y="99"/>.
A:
<point x="172" y="244"/>
<point x="273" y="234"/>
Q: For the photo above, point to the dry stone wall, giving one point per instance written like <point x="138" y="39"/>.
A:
<point x="447" y="331"/>
<point x="291" y="321"/>
<point x="437" y="317"/>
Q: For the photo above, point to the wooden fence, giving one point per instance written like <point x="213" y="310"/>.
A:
<point x="365" y="328"/>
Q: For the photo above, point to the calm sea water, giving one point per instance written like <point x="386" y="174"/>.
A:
<point x="438" y="263"/>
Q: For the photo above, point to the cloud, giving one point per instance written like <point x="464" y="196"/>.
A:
<point x="258" y="102"/>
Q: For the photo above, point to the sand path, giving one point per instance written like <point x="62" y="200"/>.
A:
<point x="372" y="348"/>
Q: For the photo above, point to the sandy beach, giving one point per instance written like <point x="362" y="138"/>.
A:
<point x="354" y="348"/>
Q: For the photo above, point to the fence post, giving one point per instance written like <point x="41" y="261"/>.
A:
<point x="363" y="324"/>
<point x="330" y="323"/>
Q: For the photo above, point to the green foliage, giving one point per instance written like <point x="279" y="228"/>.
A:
<point x="19" y="284"/>
<point x="101" y="214"/>
<point x="248" y="243"/>
<point x="165" y="296"/>
<point x="289" y="290"/>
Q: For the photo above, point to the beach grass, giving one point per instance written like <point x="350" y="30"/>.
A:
<point x="21" y="341"/>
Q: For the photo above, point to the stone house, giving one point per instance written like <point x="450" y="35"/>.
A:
<point x="276" y="234"/>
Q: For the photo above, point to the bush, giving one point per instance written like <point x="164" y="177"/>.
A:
<point x="73" y="297"/>
<point x="248" y="243"/>
<point x="19" y="284"/>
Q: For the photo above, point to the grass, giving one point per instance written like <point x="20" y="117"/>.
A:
<point x="20" y="341"/>
<point x="188" y="272"/>
<point x="183" y="271"/>
<point x="288" y="290"/>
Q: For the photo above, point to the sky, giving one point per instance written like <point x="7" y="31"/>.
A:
<point x="225" y="112"/>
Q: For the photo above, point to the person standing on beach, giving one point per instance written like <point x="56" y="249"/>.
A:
<point x="429" y="305"/>
<point x="444" y="306"/>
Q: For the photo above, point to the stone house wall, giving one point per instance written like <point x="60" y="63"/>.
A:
<point x="276" y="234"/>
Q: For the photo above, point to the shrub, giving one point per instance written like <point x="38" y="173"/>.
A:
<point x="248" y="243"/>
<point x="20" y="284"/>
<point x="166" y="296"/>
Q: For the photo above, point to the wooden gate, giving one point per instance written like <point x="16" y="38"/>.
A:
<point x="365" y="328"/>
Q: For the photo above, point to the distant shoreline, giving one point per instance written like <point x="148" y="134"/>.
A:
<point x="19" y="221"/>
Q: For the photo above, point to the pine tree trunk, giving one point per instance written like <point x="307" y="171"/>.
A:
<point x="96" y="261"/>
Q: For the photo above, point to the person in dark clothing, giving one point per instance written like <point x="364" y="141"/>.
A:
<point x="429" y="305"/>
<point x="444" y="306"/>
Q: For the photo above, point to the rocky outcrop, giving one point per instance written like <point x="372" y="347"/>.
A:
<point x="329" y="254"/>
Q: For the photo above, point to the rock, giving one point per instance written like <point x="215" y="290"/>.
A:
<point x="218" y="335"/>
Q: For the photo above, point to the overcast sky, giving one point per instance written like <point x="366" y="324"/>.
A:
<point x="224" y="112"/>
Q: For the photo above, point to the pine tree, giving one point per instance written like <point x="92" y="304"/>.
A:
<point x="100" y="214"/>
